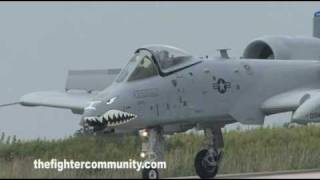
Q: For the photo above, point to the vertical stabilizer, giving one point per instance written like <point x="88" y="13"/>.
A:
<point x="316" y="24"/>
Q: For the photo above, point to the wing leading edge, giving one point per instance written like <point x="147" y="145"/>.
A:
<point x="76" y="102"/>
<point x="304" y="103"/>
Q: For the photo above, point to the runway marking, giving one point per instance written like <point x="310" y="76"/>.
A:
<point x="292" y="174"/>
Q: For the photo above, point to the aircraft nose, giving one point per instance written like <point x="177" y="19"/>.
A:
<point x="90" y="117"/>
<point x="92" y="106"/>
<point x="91" y="113"/>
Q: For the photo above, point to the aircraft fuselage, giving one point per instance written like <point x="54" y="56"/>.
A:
<point x="216" y="91"/>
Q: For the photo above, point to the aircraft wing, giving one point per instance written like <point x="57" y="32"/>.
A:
<point x="73" y="101"/>
<point x="305" y="104"/>
<point x="84" y="81"/>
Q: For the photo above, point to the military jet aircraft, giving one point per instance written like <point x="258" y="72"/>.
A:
<point x="164" y="89"/>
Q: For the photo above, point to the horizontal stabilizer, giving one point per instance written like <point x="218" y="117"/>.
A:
<point x="90" y="80"/>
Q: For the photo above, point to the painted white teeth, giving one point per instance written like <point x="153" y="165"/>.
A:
<point x="112" y="118"/>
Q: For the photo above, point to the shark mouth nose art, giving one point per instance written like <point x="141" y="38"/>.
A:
<point x="111" y="118"/>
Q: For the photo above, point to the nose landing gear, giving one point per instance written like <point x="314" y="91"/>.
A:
<point x="150" y="173"/>
<point x="152" y="150"/>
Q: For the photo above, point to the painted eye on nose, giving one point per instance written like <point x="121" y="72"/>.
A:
<point x="110" y="101"/>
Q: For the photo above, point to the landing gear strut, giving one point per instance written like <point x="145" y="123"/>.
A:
<point x="152" y="150"/>
<point x="207" y="160"/>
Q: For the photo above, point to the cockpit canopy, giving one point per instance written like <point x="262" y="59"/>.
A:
<point x="168" y="57"/>
<point x="153" y="60"/>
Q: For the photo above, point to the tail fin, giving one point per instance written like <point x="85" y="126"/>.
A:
<point x="316" y="24"/>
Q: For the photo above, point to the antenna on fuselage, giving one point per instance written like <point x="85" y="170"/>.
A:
<point x="224" y="53"/>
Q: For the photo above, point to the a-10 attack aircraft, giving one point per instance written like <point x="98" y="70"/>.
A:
<point x="163" y="90"/>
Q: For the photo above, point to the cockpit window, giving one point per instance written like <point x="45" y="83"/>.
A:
<point x="144" y="69"/>
<point x="170" y="58"/>
<point x="140" y="66"/>
<point x="152" y="60"/>
<point x="128" y="68"/>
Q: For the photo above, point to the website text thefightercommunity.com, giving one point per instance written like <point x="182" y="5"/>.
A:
<point x="64" y="164"/>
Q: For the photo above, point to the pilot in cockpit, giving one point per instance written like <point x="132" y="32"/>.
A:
<point x="164" y="58"/>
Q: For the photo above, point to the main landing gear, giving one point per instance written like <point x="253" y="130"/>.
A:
<point x="207" y="160"/>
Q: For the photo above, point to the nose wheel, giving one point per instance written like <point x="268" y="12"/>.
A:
<point x="150" y="174"/>
<point x="152" y="150"/>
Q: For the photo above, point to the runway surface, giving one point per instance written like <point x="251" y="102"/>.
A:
<point x="298" y="174"/>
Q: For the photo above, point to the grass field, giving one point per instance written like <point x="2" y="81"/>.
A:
<point x="254" y="150"/>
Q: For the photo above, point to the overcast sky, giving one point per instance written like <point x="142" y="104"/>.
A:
<point x="41" y="41"/>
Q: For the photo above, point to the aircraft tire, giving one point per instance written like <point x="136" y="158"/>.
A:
<point x="150" y="173"/>
<point x="203" y="169"/>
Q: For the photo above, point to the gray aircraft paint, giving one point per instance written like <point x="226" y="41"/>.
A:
<point x="50" y="39"/>
<point x="213" y="91"/>
<point x="264" y="80"/>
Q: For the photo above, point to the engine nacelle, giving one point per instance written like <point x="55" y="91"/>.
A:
<point x="284" y="48"/>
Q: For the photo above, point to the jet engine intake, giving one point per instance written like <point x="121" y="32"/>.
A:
<point x="283" y="48"/>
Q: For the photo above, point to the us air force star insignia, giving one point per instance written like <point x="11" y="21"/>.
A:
<point x="221" y="85"/>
